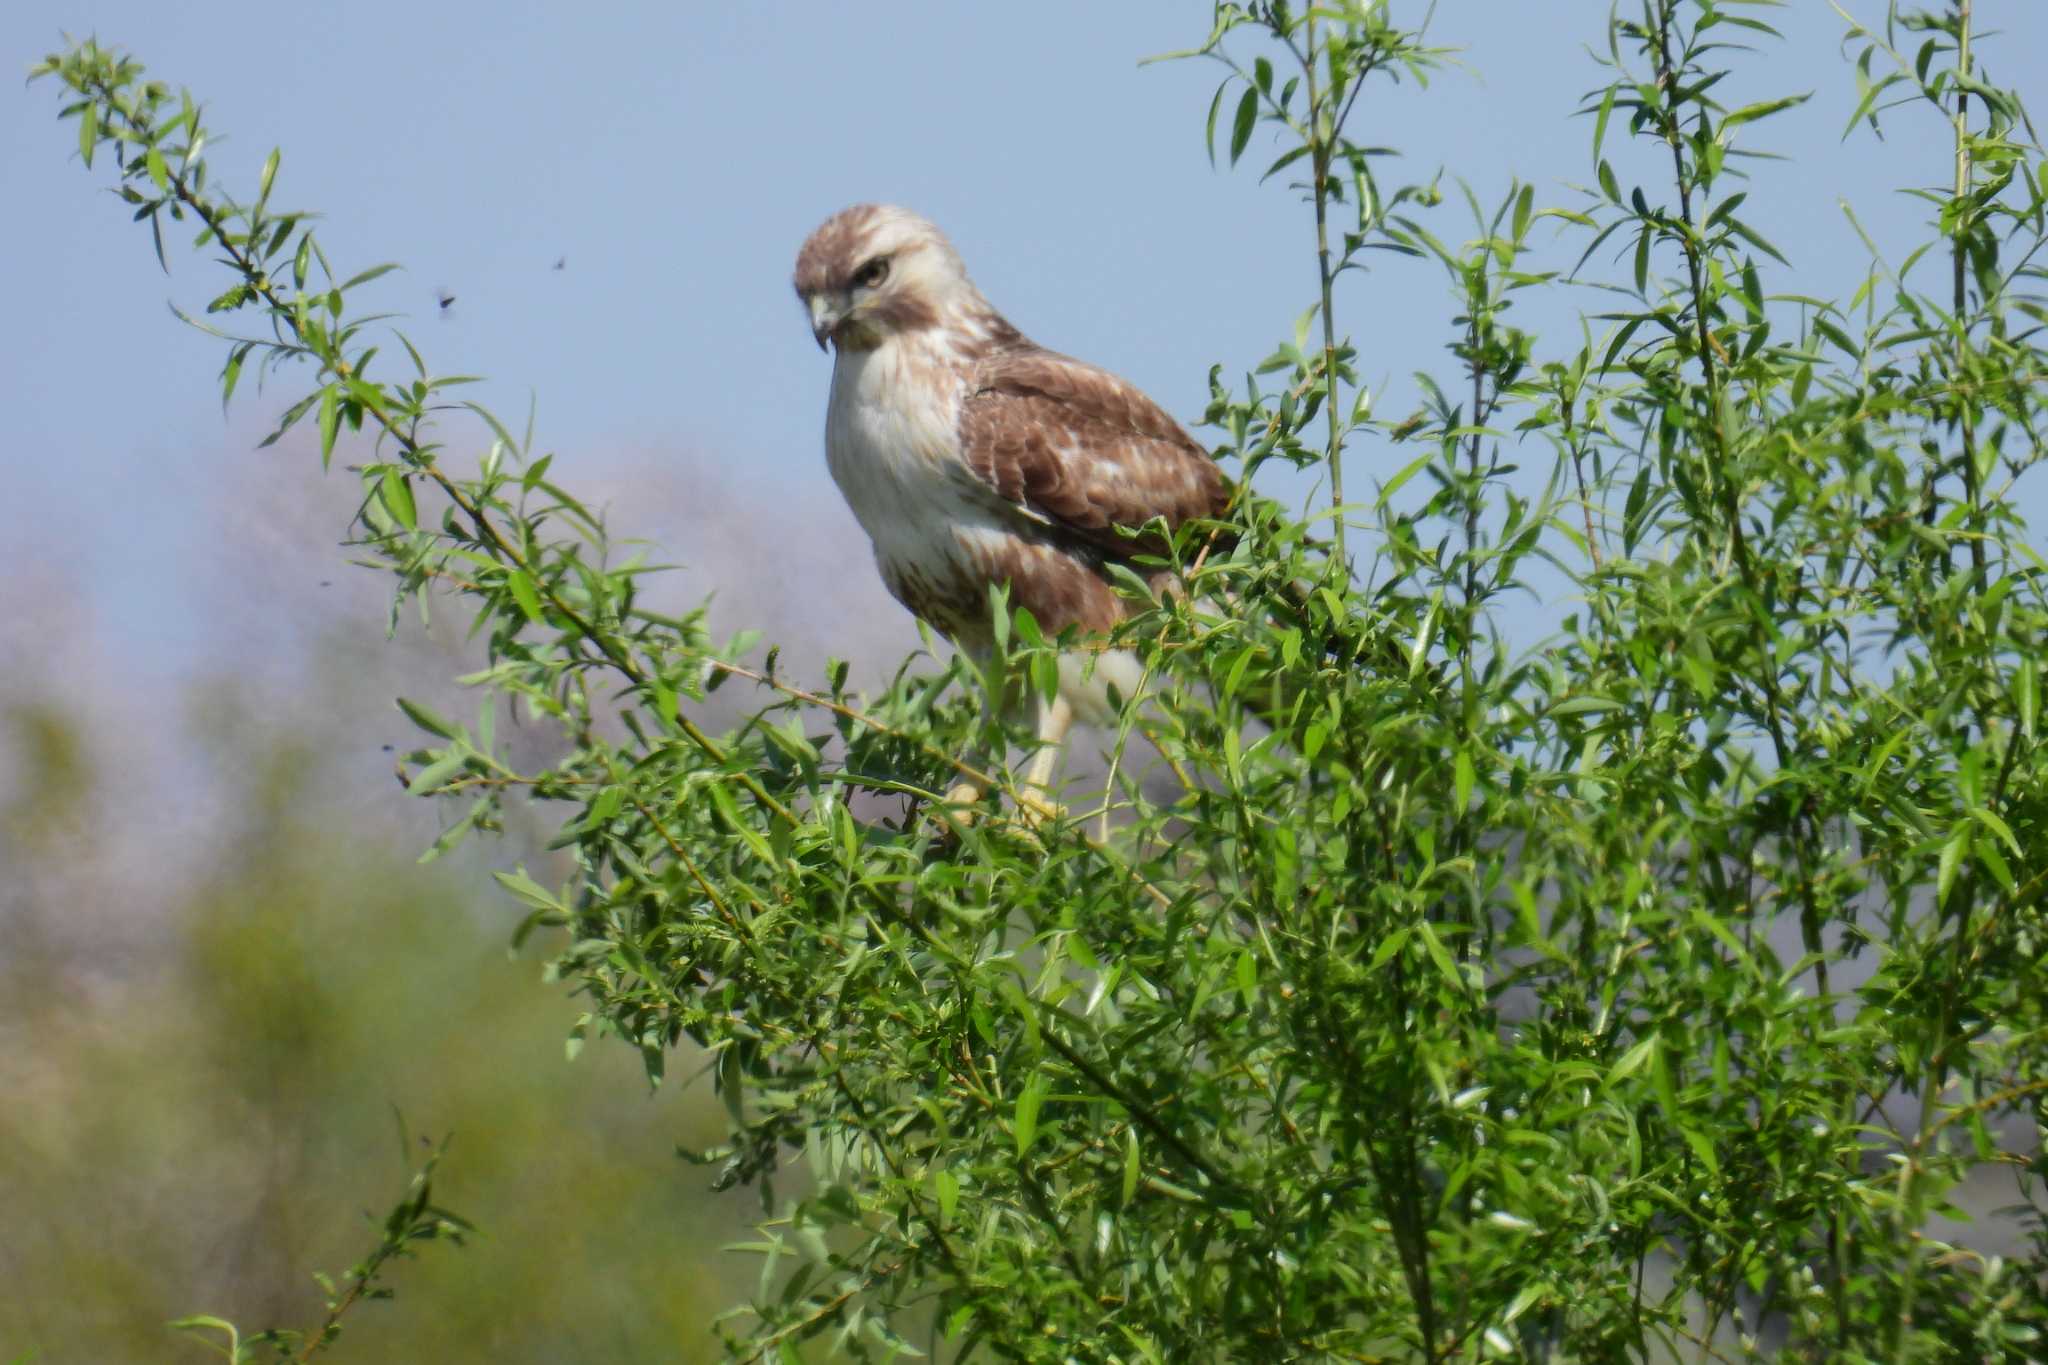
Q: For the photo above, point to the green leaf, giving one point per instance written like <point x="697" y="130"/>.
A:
<point x="1405" y="473"/>
<point x="1952" y="854"/>
<point x="1241" y="126"/>
<point x="263" y="184"/>
<point x="1994" y="862"/>
<point x="1991" y="821"/>
<point x="365" y="276"/>
<point x="232" y="371"/>
<point x="1750" y="113"/>
<point x="193" y="1326"/>
<point x="1283" y="161"/>
<point x="427" y="720"/>
<point x="330" y="421"/>
<point x="1026" y="1116"/>
<point x="436" y="774"/>
<point x="1747" y="234"/>
<point x="1703" y="1148"/>
<point x="1631" y="1061"/>
<point x="1131" y="1164"/>
<point x="396" y="491"/>
<point x="530" y="892"/>
<point x="728" y="809"/>
<point x="88" y="132"/>
<point x="520" y="584"/>
<point x="1418" y="652"/>
<point x="1600" y="126"/>
<point x="1441" y="956"/>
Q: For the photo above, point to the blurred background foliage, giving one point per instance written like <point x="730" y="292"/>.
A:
<point x="218" y="1006"/>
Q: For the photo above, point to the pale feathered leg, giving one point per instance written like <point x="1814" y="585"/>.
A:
<point x="1034" y="800"/>
<point x="966" y="792"/>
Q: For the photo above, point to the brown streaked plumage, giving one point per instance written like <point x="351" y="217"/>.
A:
<point x="975" y="457"/>
<point x="1085" y="449"/>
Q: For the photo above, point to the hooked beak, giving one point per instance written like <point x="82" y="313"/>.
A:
<point x="825" y="318"/>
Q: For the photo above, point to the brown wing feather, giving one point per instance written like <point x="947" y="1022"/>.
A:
<point x="1084" y="450"/>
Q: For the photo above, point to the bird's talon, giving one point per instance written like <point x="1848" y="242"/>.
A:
<point x="956" y="810"/>
<point x="1037" y="811"/>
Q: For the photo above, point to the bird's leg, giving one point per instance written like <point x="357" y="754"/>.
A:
<point x="966" y="792"/>
<point x="1034" y="799"/>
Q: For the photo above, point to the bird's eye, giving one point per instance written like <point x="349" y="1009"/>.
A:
<point x="873" y="273"/>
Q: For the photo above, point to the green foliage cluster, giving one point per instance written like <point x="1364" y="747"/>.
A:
<point x="1650" y="989"/>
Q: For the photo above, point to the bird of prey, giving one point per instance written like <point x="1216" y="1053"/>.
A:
<point x="973" y="457"/>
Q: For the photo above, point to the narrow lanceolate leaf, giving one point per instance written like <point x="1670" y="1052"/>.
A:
<point x="1632" y="1060"/>
<point x="1026" y="1116"/>
<point x="1440" y="956"/>
<point x="1749" y="113"/>
<point x="330" y="419"/>
<point x="365" y="276"/>
<point x="520" y="584"/>
<point x="1952" y="854"/>
<point x="396" y="491"/>
<point x="231" y="373"/>
<point x="1241" y="126"/>
<point x="438" y="773"/>
<point x="426" y="719"/>
<point x="1600" y="122"/>
<point x="1418" y="653"/>
<point x="530" y="891"/>
<point x="269" y="174"/>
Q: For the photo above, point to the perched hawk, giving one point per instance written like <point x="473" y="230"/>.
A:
<point x="973" y="457"/>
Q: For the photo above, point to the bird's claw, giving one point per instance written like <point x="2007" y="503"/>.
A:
<point x="1036" y="810"/>
<point x="960" y="808"/>
<point x="957" y="809"/>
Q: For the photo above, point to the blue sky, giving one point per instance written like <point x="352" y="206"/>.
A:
<point x="676" y="155"/>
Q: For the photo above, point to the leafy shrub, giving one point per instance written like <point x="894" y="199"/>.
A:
<point x="1649" y="989"/>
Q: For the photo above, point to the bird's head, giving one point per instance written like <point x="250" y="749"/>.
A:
<point x="875" y="271"/>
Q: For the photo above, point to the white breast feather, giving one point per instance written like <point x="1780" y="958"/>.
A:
<point x="892" y="443"/>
